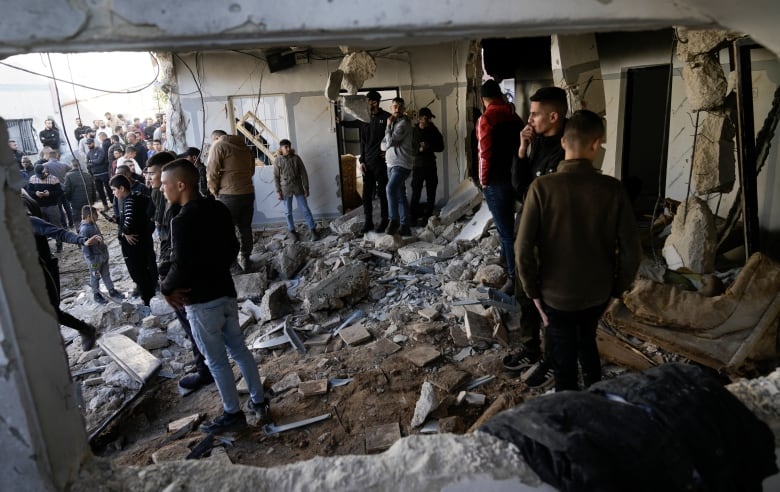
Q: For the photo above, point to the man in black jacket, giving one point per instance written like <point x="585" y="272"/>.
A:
<point x="199" y="281"/>
<point x="50" y="135"/>
<point x="97" y="164"/>
<point x="372" y="161"/>
<point x="426" y="141"/>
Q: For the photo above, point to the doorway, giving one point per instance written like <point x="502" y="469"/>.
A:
<point x="645" y="136"/>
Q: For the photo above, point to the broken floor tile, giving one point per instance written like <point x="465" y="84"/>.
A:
<point x="139" y="363"/>
<point x="426" y="404"/>
<point x="465" y="197"/>
<point x="448" y="378"/>
<point x="429" y="313"/>
<point x="313" y="388"/>
<point x="188" y="421"/>
<point x="381" y="437"/>
<point x="355" y="335"/>
<point x="384" y="347"/>
<point x="422" y="355"/>
<point x="478" y="329"/>
<point x="220" y="456"/>
<point x="477" y="226"/>
<point x="289" y="381"/>
<point x="477" y="399"/>
<point x="459" y="337"/>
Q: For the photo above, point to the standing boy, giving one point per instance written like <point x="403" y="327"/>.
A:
<point x="577" y="247"/>
<point x="199" y="280"/>
<point x="291" y="180"/>
<point x="96" y="255"/>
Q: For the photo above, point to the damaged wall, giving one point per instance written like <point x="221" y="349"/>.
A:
<point x="429" y="75"/>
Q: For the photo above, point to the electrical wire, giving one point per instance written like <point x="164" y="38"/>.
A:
<point x="75" y="97"/>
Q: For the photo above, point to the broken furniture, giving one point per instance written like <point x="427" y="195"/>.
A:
<point x="256" y="122"/>
<point x="727" y="332"/>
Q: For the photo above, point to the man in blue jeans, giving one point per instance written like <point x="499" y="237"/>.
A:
<point x="399" y="155"/>
<point x="498" y="137"/>
<point x="203" y="247"/>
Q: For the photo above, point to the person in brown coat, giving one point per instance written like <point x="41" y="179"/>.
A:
<point x="292" y="181"/>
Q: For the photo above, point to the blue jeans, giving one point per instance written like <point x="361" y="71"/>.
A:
<point x="215" y="327"/>
<point x="302" y="205"/>
<point x="396" y="193"/>
<point x="501" y="203"/>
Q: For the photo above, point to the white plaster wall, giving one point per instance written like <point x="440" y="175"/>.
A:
<point x="428" y="75"/>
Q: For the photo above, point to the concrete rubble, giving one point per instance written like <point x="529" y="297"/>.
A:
<point x="693" y="240"/>
<point x="714" y="164"/>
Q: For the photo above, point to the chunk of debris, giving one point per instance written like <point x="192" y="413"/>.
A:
<point x="89" y="355"/>
<point x="152" y="338"/>
<point x="219" y="455"/>
<point x="415" y="251"/>
<point x="477" y="226"/>
<point x="253" y="309"/>
<point x="429" y="313"/>
<point x="459" y="338"/>
<point x="448" y="378"/>
<point x="384" y="347"/>
<point x="289" y="381"/>
<point x="714" y="168"/>
<point x="469" y="398"/>
<point x="150" y="321"/>
<point x="275" y="303"/>
<point x="355" y="334"/>
<point x="501" y="403"/>
<point x="422" y="355"/>
<point x="291" y="259"/>
<point x="313" y="388"/>
<point x="158" y="306"/>
<point x="381" y="254"/>
<point x="317" y="340"/>
<point x="705" y="82"/>
<point x="452" y="424"/>
<point x="381" y="437"/>
<point x="139" y="363"/>
<point x="251" y="285"/>
<point x="345" y="286"/>
<point x="188" y="422"/>
<point x="491" y="275"/>
<point x="478" y="328"/>
<point x="425" y="328"/>
<point x="426" y="404"/>
<point x="693" y="241"/>
<point x="465" y="197"/>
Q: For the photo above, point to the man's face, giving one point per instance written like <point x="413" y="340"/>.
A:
<point x="540" y="118"/>
<point x="91" y="146"/>
<point x="157" y="146"/>
<point x="153" y="176"/>
<point x="373" y="106"/>
<point x="120" y="193"/>
<point x="397" y="108"/>
<point x="169" y="187"/>
<point x="424" y="121"/>
<point x="101" y="123"/>
<point x="78" y="121"/>
<point x="48" y="124"/>
<point x="131" y="137"/>
<point x="284" y="149"/>
<point x="117" y="154"/>
<point x="13" y="145"/>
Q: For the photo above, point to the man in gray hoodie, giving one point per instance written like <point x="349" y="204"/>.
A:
<point x="399" y="155"/>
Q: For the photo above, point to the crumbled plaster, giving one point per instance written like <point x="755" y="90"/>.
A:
<point x="357" y="68"/>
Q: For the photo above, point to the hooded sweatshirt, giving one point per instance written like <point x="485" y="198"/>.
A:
<point x="230" y="167"/>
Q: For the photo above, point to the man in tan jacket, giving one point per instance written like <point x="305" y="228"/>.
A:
<point x="229" y="172"/>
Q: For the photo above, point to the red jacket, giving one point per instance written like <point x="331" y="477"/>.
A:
<point x="498" y="137"/>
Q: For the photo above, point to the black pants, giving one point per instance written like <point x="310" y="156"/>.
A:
<point x="103" y="189"/>
<point x="571" y="335"/>
<point x="139" y="267"/>
<point x="51" y="274"/>
<point x="375" y="180"/>
<point x="200" y="360"/>
<point x="424" y="175"/>
<point x="242" y="209"/>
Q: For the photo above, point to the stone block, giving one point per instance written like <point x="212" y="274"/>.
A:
<point x="465" y="197"/>
<point x="458" y="335"/>
<point x="705" y="82"/>
<point x="313" y="388"/>
<point x="693" y="237"/>
<point x="384" y="347"/>
<point x="449" y="377"/>
<point x="251" y="285"/>
<point x="418" y="250"/>
<point x="275" y="303"/>
<point x="478" y="328"/>
<point x="289" y="381"/>
<point x="150" y="321"/>
<point x="152" y="338"/>
<point x="491" y="275"/>
<point x="381" y="437"/>
<point x="159" y="307"/>
<point x="355" y="334"/>
<point x="425" y="405"/>
<point x="345" y="286"/>
<point x="429" y="313"/>
<point x="477" y="226"/>
<point x="422" y="355"/>
<point x="188" y="421"/>
<point x="291" y="259"/>
<point x="714" y="167"/>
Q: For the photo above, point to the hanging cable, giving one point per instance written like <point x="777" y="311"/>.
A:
<point x="202" y="102"/>
<point x="75" y="97"/>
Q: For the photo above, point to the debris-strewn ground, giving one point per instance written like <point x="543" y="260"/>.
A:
<point x="408" y="299"/>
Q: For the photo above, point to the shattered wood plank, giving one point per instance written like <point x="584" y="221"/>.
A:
<point x="619" y="352"/>
<point x="134" y="359"/>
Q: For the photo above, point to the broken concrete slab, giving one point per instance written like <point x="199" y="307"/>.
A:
<point x="253" y="309"/>
<point x="429" y="313"/>
<point x="696" y="41"/>
<point x="465" y="197"/>
<point x="384" y="347"/>
<point x="459" y="337"/>
<point x="152" y="338"/>
<point x="189" y="422"/>
<point x="449" y="377"/>
<point x="251" y="285"/>
<point x="313" y="388"/>
<point x="714" y="167"/>
<point x="693" y="240"/>
<point x="355" y="334"/>
<point x="158" y="306"/>
<point x="381" y="437"/>
<point x="89" y="355"/>
<point x="418" y="250"/>
<point x="349" y="223"/>
<point x="291" y="259"/>
<point x="275" y="303"/>
<point x="422" y="355"/>
<point x="491" y="275"/>
<point x="289" y="381"/>
<point x="345" y="286"/>
<point x="705" y="82"/>
<point x="115" y="375"/>
<point x="477" y="226"/>
<point x="478" y="328"/>
<point x="138" y="362"/>
<point x="426" y="404"/>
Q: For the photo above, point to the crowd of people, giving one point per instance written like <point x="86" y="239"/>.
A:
<point x="569" y="242"/>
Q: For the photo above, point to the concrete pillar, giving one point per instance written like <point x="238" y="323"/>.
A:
<point x="176" y="128"/>
<point x="576" y="67"/>
<point x="42" y="436"/>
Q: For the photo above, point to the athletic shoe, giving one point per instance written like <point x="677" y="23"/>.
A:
<point x="227" y="422"/>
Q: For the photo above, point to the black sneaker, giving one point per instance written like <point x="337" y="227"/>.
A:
<point x="406" y="231"/>
<point x="196" y="381"/>
<point x="294" y="236"/>
<point x="115" y="293"/>
<point x="393" y="227"/>
<point x="538" y="375"/>
<point x="315" y="236"/>
<point x="508" y="287"/>
<point x="227" y="422"/>
<point x="98" y="297"/>
<point x="261" y="410"/>
<point x="520" y="361"/>
<point x="367" y="227"/>
<point x="382" y="227"/>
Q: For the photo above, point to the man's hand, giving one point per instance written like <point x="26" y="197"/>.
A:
<point x="93" y="240"/>
<point x="363" y="168"/>
<point x="178" y="298"/>
<point x="390" y="120"/>
<point x="132" y="239"/>
<point x="545" y="319"/>
<point x="281" y="197"/>
<point x="526" y="135"/>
